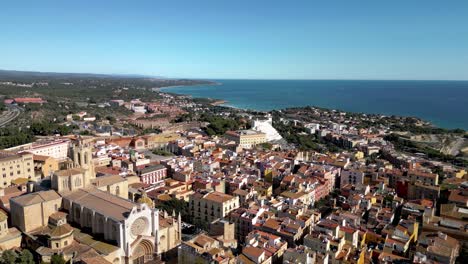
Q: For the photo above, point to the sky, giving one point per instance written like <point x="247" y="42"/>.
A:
<point x="225" y="39"/>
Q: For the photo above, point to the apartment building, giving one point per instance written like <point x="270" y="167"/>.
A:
<point x="207" y="207"/>
<point x="14" y="166"/>
<point x="154" y="174"/>
<point x="55" y="148"/>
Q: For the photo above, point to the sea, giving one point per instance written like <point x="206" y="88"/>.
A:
<point x="443" y="103"/>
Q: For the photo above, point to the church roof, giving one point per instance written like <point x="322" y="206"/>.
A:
<point x="69" y="172"/>
<point x="62" y="230"/>
<point x="102" y="202"/>
<point x="37" y="197"/>
<point x="95" y="260"/>
<point x="108" y="180"/>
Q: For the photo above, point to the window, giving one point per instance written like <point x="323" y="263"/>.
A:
<point x="57" y="245"/>
<point x="65" y="243"/>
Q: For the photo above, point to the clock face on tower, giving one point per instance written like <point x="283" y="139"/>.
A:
<point x="139" y="226"/>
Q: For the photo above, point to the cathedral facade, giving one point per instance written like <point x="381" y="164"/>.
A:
<point x="132" y="227"/>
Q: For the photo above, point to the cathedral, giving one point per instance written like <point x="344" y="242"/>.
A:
<point x="115" y="228"/>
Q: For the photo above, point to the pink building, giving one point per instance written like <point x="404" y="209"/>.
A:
<point x="153" y="175"/>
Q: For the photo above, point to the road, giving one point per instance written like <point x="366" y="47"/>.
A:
<point x="12" y="112"/>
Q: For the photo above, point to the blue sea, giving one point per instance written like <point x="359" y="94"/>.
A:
<point x="444" y="103"/>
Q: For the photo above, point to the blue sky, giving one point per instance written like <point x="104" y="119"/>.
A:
<point x="348" y="39"/>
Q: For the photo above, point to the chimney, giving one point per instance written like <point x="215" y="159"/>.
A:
<point x="29" y="188"/>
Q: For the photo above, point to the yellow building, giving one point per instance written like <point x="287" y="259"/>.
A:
<point x="113" y="184"/>
<point x="160" y="141"/>
<point x="15" y="166"/>
<point x="207" y="207"/>
<point x="246" y="138"/>
<point x="32" y="211"/>
<point x="359" y="155"/>
<point x="459" y="174"/>
<point x="45" y="165"/>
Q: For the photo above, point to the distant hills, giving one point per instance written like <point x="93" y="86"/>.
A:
<point x="59" y="75"/>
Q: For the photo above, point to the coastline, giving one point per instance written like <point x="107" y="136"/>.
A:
<point x="213" y="101"/>
<point x="265" y="96"/>
<point x="187" y="85"/>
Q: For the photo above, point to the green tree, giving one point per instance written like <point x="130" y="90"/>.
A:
<point x="179" y="206"/>
<point x="57" y="259"/>
<point x="162" y="152"/>
<point x="219" y="125"/>
<point x="8" y="257"/>
<point x="26" y="257"/>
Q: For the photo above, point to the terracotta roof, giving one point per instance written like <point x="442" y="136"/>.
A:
<point x="250" y="251"/>
<point x="61" y="230"/>
<point x="58" y="215"/>
<point x="218" y="197"/>
<point x="457" y="196"/>
<point x="202" y="240"/>
<point x="41" y="157"/>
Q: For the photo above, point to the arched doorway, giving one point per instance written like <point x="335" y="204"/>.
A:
<point x="143" y="252"/>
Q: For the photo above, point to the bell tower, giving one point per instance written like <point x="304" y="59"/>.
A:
<point x="81" y="155"/>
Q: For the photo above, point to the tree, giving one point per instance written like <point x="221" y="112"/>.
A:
<point x="8" y="257"/>
<point x="57" y="259"/>
<point x="179" y="206"/>
<point x="26" y="257"/>
<point x="219" y="125"/>
<point x="111" y="119"/>
<point x="162" y="152"/>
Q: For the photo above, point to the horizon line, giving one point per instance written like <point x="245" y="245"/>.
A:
<point x="138" y="75"/>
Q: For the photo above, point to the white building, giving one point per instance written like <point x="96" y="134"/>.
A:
<point x="312" y="127"/>
<point x="57" y="148"/>
<point x="265" y="126"/>
<point x="139" y="108"/>
<point x="355" y="177"/>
